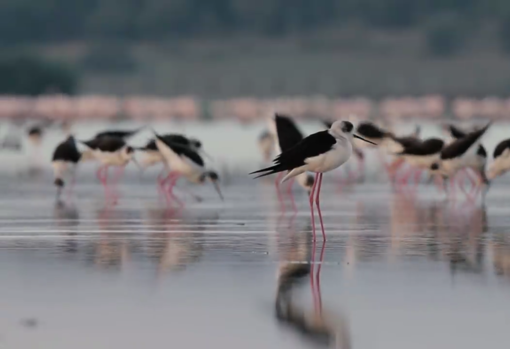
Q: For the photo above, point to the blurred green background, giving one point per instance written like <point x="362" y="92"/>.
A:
<point x="226" y="48"/>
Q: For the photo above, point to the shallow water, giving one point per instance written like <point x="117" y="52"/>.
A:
<point x="398" y="271"/>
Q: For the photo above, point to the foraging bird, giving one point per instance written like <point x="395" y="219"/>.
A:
<point x="151" y="154"/>
<point x="65" y="158"/>
<point x="419" y="154"/>
<point x="501" y="160"/>
<point x="186" y="162"/>
<point x="110" y="151"/>
<point x="461" y="153"/>
<point x="320" y="152"/>
<point x="480" y="159"/>
<point x="35" y="134"/>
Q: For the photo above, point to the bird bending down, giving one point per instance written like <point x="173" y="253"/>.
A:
<point x="320" y="152"/>
<point x="478" y="162"/>
<point x="152" y="156"/>
<point x="186" y="162"/>
<point x="111" y="151"/>
<point x="462" y="153"/>
<point x="419" y="154"/>
<point x="66" y="157"/>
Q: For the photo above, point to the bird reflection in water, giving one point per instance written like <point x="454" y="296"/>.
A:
<point x="463" y="243"/>
<point x="500" y="248"/>
<point x="66" y="216"/>
<point x="113" y="249"/>
<point x="322" y="328"/>
<point x="177" y="244"/>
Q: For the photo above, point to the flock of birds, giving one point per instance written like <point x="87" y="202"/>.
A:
<point x="299" y="157"/>
<point x="460" y="156"/>
<point x="180" y="155"/>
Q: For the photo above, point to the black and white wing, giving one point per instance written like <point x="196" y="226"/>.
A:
<point x="415" y="147"/>
<point x="175" y="149"/>
<point x="313" y="145"/>
<point x="187" y="152"/>
<point x="67" y="151"/>
<point x="501" y="147"/>
<point x="371" y="131"/>
<point x="287" y="131"/>
<point x="106" y="144"/>
<point x="456" y="132"/>
<point x="118" y="133"/>
<point x="462" y="145"/>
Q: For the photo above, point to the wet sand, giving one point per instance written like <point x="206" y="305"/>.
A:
<point x="397" y="272"/>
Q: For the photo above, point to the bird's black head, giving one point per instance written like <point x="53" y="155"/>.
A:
<point x="213" y="176"/>
<point x="59" y="182"/>
<point x="347" y="126"/>
<point x="310" y="179"/>
<point x="196" y="143"/>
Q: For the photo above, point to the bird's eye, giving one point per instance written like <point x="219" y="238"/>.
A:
<point x="347" y="126"/>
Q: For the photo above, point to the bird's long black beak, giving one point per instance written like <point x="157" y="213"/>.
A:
<point x="217" y="187"/>
<point x="363" y="139"/>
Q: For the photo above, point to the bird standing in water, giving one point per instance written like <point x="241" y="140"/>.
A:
<point x="320" y="152"/>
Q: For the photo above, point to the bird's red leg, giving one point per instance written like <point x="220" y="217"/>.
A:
<point x="312" y="193"/>
<point x="318" y="279"/>
<point x="164" y="190"/>
<point x="159" y="181"/>
<point x="312" y="270"/>
<point x="317" y="202"/>
<point x="170" y="189"/>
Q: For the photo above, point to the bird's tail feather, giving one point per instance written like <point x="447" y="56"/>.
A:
<point x="266" y="171"/>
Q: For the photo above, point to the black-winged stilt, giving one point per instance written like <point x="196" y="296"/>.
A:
<point x="320" y="152"/>
<point x="151" y="154"/>
<point x="501" y="160"/>
<point x="420" y="155"/>
<point x="183" y="161"/>
<point x="66" y="157"/>
<point x="462" y="153"/>
<point x="110" y="151"/>
<point x="360" y="156"/>
<point x="479" y="161"/>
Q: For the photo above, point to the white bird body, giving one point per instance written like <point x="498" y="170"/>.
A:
<point x="151" y="158"/>
<point x="469" y="159"/>
<point x="340" y="152"/>
<point x="500" y="164"/>
<point x="61" y="168"/>
<point x="118" y="158"/>
<point x="421" y="161"/>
